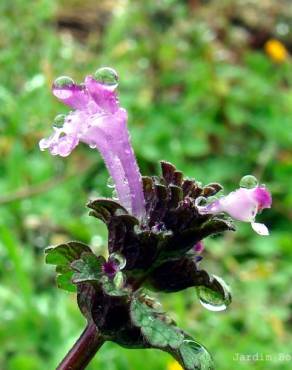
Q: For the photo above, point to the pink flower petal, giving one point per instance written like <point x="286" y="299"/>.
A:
<point x="105" y="98"/>
<point x="75" y="96"/>
<point x="238" y="204"/>
<point x="263" y="197"/>
<point x="259" y="228"/>
<point x="100" y="122"/>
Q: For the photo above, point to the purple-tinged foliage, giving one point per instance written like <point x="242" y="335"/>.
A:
<point x="159" y="243"/>
<point x="156" y="231"/>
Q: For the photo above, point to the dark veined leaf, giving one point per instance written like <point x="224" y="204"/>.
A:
<point x="161" y="332"/>
<point x="62" y="256"/>
<point x="155" y="325"/>
<point x="87" y="268"/>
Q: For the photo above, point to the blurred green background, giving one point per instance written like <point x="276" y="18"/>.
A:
<point x="208" y="86"/>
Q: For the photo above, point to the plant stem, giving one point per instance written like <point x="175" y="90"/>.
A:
<point x="83" y="350"/>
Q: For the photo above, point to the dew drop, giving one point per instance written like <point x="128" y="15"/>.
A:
<point x="110" y="183"/>
<point x="119" y="280"/>
<point x="213" y="300"/>
<point x="107" y="76"/>
<point x="92" y="145"/>
<point x="118" y="259"/>
<point x="248" y="181"/>
<point x="211" y="199"/>
<point x="62" y="87"/>
<point x="59" y="121"/>
<point x="63" y="82"/>
<point x="201" y="202"/>
<point x="115" y="194"/>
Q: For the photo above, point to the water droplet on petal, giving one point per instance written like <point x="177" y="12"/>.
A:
<point x="59" y="121"/>
<point x="115" y="195"/>
<point x="63" y="82"/>
<point x="249" y="182"/>
<point x="107" y="76"/>
<point x="214" y="300"/>
<point x="211" y="199"/>
<point x="118" y="259"/>
<point x="92" y="145"/>
<point x="62" y="87"/>
<point x="110" y="183"/>
<point x="201" y="201"/>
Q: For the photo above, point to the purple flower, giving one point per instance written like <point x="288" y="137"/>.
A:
<point x="110" y="268"/>
<point x="243" y="205"/>
<point x="199" y="247"/>
<point x="99" y="121"/>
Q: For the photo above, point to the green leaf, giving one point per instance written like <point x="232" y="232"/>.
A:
<point x="87" y="268"/>
<point x="64" y="281"/>
<point x="115" y="287"/>
<point x="161" y="332"/>
<point x="64" y="254"/>
<point x="155" y="325"/>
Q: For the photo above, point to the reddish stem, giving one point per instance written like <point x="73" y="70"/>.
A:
<point x="83" y="350"/>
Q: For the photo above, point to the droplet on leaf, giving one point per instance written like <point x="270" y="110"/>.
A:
<point x="213" y="300"/>
<point x="200" y="201"/>
<point x="119" y="280"/>
<point x="118" y="259"/>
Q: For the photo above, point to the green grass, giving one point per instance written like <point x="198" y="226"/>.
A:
<point x="216" y="108"/>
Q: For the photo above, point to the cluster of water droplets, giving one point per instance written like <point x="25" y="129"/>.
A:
<point x="214" y="300"/>
<point x="63" y="85"/>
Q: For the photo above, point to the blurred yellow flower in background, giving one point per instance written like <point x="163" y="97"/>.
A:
<point x="276" y="50"/>
<point x="174" y="365"/>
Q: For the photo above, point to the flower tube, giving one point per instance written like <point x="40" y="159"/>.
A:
<point x="98" y="121"/>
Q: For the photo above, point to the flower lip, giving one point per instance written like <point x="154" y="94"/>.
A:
<point x="263" y="197"/>
<point x="103" y="95"/>
<point x="243" y="205"/>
